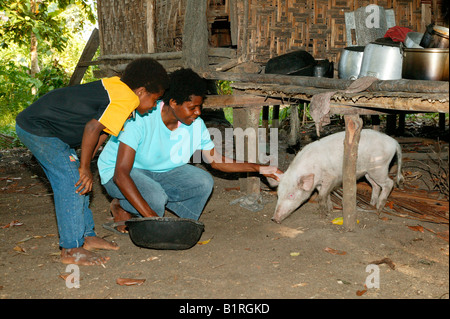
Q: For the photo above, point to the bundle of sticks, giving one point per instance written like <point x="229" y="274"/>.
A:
<point x="409" y="203"/>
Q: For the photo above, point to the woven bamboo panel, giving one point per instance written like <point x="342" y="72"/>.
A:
<point x="276" y="27"/>
<point x="169" y="16"/>
<point x="122" y="26"/>
<point x="267" y="29"/>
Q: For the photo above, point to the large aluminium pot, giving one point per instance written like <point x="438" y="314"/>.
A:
<point x="350" y="62"/>
<point x="382" y="60"/>
<point x="425" y="64"/>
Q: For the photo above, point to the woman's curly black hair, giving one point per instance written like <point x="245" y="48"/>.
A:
<point x="183" y="84"/>
<point x="147" y="73"/>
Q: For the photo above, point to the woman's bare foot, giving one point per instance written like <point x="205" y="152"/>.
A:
<point x="81" y="256"/>
<point x="119" y="215"/>
<point x="94" y="242"/>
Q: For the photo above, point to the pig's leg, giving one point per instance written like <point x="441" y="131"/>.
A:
<point x="323" y="206"/>
<point x="324" y="198"/>
<point x="375" y="190"/>
<point x="386" y="189"/>
<point x="380" y="176"/>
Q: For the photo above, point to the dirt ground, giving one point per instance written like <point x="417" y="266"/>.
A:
<point x="244" y="254"/>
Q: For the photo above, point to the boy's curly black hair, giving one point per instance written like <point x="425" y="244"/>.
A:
<point x="183" y="84"/>
<point x="147" y="73"/>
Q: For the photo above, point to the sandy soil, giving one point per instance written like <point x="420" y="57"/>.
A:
<point x="244" y="254"/>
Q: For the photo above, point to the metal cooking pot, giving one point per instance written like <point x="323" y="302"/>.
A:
<point x="350" y="62"/>
<point x="439" y="37"/>
<point x="164" y="232"/>
<point x="324" y="68"/>
<point x="382" y="60"/>
<point x="425" y="64"/>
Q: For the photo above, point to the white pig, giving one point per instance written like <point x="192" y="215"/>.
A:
<point x="319" y="166"/>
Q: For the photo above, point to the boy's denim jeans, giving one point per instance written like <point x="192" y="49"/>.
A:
<point x="184" y="190"/>
<point x="60" y="164"/>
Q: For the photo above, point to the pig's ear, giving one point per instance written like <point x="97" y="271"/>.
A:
<point x="306" y="182"/>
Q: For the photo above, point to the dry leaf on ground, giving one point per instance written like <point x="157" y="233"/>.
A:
<point x="129" y="281"/>
<point x="334" y="251"/>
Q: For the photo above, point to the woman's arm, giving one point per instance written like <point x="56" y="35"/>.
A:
<point x="225" y="164"/>
<point x="122" y="178"/>
<point x="89" y="145"/>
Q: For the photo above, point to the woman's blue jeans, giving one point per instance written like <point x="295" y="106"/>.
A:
<point x="184" y="190"/>
<point x="60" y="164"/>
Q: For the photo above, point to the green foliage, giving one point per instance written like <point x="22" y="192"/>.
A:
<point x="224" y="87"/>
<point x="15" y="91"/>
<point x="46" y="21"/>
<point x="53" y="23"/>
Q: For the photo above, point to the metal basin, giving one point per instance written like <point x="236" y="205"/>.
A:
<point x="164" y="232"/>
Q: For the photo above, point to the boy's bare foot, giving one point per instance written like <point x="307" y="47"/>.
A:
<point x="81" y="256"/>
<point x="94" y="242"/>
<point x="119" y="215"/>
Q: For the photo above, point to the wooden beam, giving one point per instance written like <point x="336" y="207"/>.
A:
<point x="213" y="52"/>
<point x="87" y="55"/>
<point x="331" y="83"/>
<point x="243" y="100"/>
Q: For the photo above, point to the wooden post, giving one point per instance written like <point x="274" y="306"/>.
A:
<point x="353" y="126"/>
<point x="276" y="116"/>
<point x="294" y="126"/>
<point x="248" y="118"/>
<point x="265" y="120"/>
<point x="195" y="36"/>
<point x="151" y="36"/>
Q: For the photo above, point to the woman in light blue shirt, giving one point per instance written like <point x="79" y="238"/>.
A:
<point x="145" y="168"/>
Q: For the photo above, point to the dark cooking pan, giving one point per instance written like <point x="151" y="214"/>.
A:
<point x="164" y="232"/>
<point x="297" y="62"/>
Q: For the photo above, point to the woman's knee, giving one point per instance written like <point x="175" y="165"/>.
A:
<point x="205" y="182"/>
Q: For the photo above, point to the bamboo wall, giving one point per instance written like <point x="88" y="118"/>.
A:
<point x="318" y="26"/>
<point x="269" y="28"/>
<point x="122" y="26"/>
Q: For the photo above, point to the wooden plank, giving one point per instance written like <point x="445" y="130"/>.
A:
<point x="377" y="101"/>
<point x="243" y="100"/>
<point x="87" y="55"/>
<point x="402" y="85"/>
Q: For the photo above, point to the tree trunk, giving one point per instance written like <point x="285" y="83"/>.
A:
<point x="34" y="55"/>
<point x="34" y="62"/>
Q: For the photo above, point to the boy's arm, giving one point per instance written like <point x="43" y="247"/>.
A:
<point x="89" y="145"/>
<point x="123" y="180"/>
<point x="228" y="165"/>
